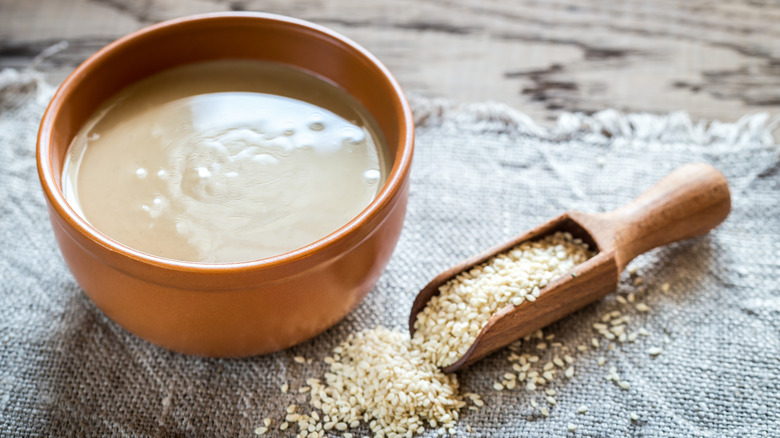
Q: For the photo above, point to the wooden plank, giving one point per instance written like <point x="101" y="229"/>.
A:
<point x="714" y="59"/>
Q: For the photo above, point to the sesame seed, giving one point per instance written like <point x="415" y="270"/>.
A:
<point x="654" y="351"/>
<point x="601" y="360"/>
<point x="665" y="287"/>
<point x="634" y="416"/>
<point x="284" y="388"/>
<point x="299" y="359"/>
<point x="642" y="307"/>
<point x="572" y="427"/>
<point x="261" y="430"/>
<point x="569" y="373"/>
<point x="582" y="409"/>
<point x="544" y="411"/>
<point x="624" y="385"/>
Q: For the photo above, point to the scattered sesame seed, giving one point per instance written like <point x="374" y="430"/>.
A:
<point x="572" y="427"/>
<point x="299" y="359"/>
<point x="551" y="401"/>
<point x="638" y="281"/>
<point x="642" y="307"/>
<point x="284" y="426"/>
<point x="601" y="360"/>
<point x="624" y="385"/>
<point x="544" y="411"/>
<point x="582" y="409"/>
<point x="595" y="343"/>
<point x="654" y="351"/>
<point x="284" y="388"/>
<point x="569" y="373"/>
<point x="665" y="287"/>
<point x="267" y="422"/>
<point x="261" y="430"/>
<point x="498" y="386"/>
<point x="634" y="416"/>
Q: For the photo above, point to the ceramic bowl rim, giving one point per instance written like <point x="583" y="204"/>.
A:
<point x="53" y="191"/>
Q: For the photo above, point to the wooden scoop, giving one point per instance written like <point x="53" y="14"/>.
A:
<point x="686" y="203"/>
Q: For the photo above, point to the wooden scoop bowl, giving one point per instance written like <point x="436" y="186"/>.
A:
<point x="686" y="203"/>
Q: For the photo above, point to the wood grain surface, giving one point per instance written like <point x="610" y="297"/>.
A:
<point x="716" y="59"/>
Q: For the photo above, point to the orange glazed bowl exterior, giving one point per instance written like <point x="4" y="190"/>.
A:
<point x="236" y="309"/>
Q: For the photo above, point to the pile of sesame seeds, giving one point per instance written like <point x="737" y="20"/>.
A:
<point x="377" y="377"/>
<point x="382" y="379"/>
<point x="451" y="321"/>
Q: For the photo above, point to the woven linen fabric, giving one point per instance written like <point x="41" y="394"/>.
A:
<point x="482" y="173"/>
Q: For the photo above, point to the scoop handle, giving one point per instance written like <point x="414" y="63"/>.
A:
<point x="688" y="202"/>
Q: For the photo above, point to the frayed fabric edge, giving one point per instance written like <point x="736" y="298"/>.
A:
<point x="17" y="87"/>
<point x="601" y="127"/>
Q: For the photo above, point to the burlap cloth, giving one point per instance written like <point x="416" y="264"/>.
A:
<point x="482" y="173"/>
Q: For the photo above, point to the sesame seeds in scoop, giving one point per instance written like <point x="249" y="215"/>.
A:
<point x="451" y="321"/>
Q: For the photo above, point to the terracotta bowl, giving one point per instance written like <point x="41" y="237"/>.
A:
<point x="238" y="309"/>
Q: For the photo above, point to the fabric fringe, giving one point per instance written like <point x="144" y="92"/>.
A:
<point x="603" y="126"/>
<point x="676" y="127"/>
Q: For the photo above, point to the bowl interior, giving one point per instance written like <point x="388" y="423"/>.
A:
<point x="227" y="36"/>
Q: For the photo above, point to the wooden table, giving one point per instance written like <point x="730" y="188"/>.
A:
<point x="716" y="59"/>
